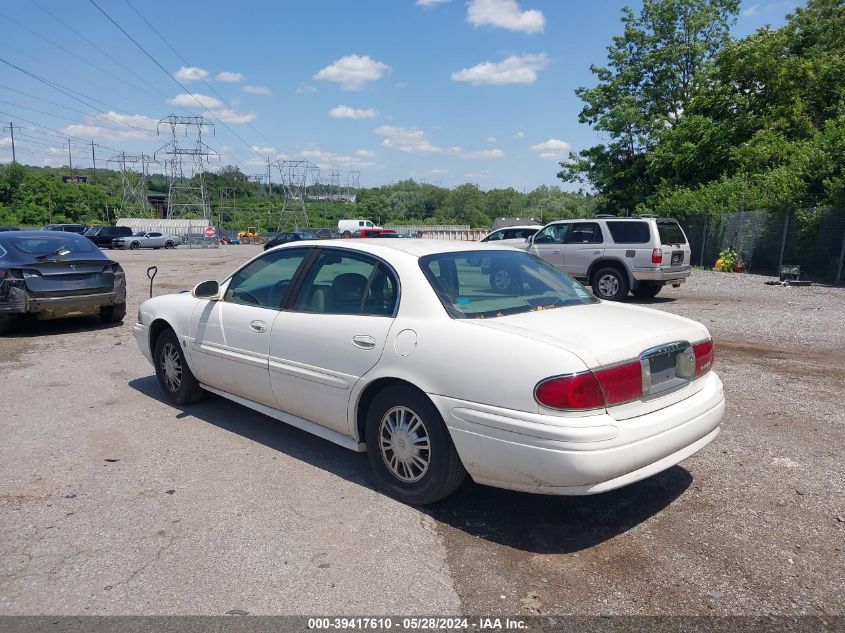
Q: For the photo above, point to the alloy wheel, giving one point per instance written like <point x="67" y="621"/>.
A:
<point x="608" y="285"/>
<point x="171" y="367"/>
<point x="404" y="443"/>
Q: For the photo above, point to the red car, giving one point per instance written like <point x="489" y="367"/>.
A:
<point x="373" y="232"/>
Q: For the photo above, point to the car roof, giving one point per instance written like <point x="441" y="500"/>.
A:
<point x="414" y="247"/>
<point x="518" y="226"/>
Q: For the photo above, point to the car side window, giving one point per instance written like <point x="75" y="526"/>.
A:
<point x="629" y="232"/>
<point x="153" y="234"/>
<point x="495" y="236"/>
<point x="343" y="283"/>
<point x="585" y="233"/>
<point x="264" y="281"/>
<point x="552" y="234"/>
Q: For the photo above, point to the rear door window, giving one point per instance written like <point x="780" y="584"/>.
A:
<point x="630" y="232"/>
<point x="585" y="233"/>
<point x="671" y="233"/>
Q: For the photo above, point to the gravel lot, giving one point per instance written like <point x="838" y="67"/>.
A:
<point x="113" y="502"/>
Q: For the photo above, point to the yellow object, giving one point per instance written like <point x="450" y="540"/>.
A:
<point x="250" y="235"/>
<point x="718" y="265"/>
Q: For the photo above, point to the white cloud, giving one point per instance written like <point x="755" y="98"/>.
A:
<point x="345" y="112"/>
<point x="754" y="9"/>
<point x="303" y="88"/>
<point x="191" y="73"/>
<point x="366" y="153"/>
<point x="185" y="100"/>
<point x="352" y="72"/>
<point x="5" y="141"/>
<point x="230" y="77"/>
<point x="326" y="159"/>
<point x="491" y="139"/>
<point x="414" y="141"/>
<point x="505" y="14"/>
<point x="552" y="149"/>
<point x="108" y="128"/>
<point x="257" y="90"/>
<point x="516" y="69"/>
<point x="264" y="150"/>
<point x="233" y="116"/>
<point x="519" y="135"/>
<point x="430" y="3"/>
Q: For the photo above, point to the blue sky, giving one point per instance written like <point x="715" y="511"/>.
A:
<point x="446" y="91"/>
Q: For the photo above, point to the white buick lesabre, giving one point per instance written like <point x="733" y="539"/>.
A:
<point x="406" y="350"/>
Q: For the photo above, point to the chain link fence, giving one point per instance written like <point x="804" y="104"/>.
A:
<point x="767" y="239"/>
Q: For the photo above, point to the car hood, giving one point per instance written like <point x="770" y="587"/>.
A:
<point x="601" y="333"/>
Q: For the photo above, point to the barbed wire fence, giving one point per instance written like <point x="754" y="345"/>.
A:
<point x="767" y="239"/>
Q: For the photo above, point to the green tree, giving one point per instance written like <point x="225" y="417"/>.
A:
<point x="645" y="89"/>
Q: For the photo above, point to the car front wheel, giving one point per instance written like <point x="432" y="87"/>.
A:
<point x="174" y="376"/>
<point x="610" y="284"/>
<point x="409" y="447"/>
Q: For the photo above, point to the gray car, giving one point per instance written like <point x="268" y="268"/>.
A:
<point x="613" y="255"/>
<point x="147" y="239"/>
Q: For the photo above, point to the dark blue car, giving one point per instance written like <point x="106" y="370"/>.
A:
<point x="51" y="274"/>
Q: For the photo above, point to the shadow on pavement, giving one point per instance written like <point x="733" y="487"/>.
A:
<point x="523" y="521"/>
<point x="29" y="327"/>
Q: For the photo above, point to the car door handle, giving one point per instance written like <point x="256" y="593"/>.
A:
<point x="258" y="326"/>
<point x="363" y="341"/>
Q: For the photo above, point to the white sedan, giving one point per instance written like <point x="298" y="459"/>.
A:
<point x="402" y="349"/>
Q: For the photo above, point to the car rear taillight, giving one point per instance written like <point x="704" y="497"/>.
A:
<point x="703" y="357"/>
<point x="657" y="256"/>
<point x="592" y="390"/>
<point x="578" y="391"/>
<point x="622" y="383"/>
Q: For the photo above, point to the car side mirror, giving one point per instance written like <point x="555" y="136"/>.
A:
<point x="207" y="290"/>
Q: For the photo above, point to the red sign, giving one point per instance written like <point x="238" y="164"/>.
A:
<point x="210" y="232"/>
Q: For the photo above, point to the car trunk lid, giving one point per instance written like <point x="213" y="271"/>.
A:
<point x="68" y="277"/>
<point x="607" y="334"/>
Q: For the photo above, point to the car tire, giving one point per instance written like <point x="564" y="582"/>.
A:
<point x="347" y="234"/>
<point x="647" y="291"/>
<point x="175" y="378"/>
<point x="610" y="284"/>
<point x="169" y="244"/>
<point x="135" y="246"/>
<point x="113" y="313"/>
<point x="244" y="240"/>
<point x="419" y="467"/>
<point x="5" y="324"/>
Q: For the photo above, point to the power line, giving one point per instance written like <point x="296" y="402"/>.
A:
<point x="187" y="63"/>
<point x="179" y="83"/>
<point x="98" y="48"/>
<point x="74" y="55"/>
<point x="66" y="92"/>
<point x="51" y="114"/>
<point x="58" y="133"/>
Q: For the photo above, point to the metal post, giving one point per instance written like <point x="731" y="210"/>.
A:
<point x="704" y="238"/>
<point x="783" y="239"/>
<point x="841" y="259"/>
<point x="12" y="131"/>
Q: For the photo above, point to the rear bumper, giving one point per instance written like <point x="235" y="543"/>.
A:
<point x="583" y="455"/>
<point x="22" y="302"/>
<point x="665" y="275"/>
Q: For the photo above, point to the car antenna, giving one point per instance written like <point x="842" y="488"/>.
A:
<point x="152" y="271"/>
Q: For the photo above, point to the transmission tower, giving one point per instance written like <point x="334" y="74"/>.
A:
<point x="133" y="171"/>
<point x="228" y="207"/>
<point x="334" y="182"/>
<point x="295" y="177"/>
<point x="187" y="196"/>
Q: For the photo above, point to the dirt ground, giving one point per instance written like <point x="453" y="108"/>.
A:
<point x="114" y="502"/>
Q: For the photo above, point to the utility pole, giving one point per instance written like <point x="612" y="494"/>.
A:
<point x="69" y="158"/>
<point x="93" y="161"/>
<point x="11" y="129"/>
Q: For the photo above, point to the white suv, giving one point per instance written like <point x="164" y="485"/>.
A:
<point x="616" y="255"/>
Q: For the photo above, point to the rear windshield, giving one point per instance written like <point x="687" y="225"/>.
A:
<point x="485" y="284"/>
<point x="630" y="232"/>
<point x="671" y="233"/>
<point x="43" y="245"/>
